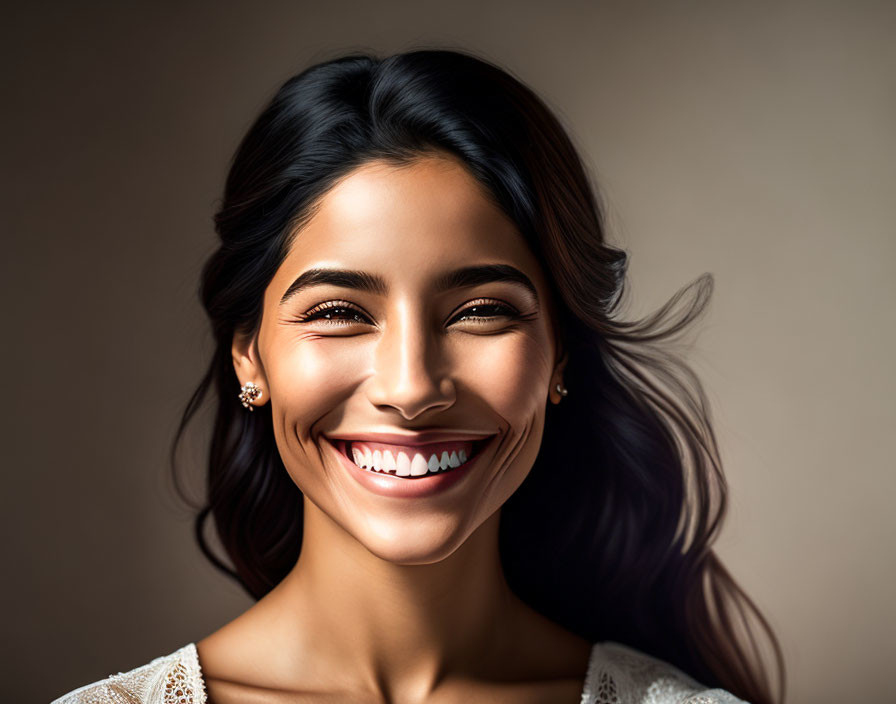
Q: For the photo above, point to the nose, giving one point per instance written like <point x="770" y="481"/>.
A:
<point x="410" y="373"/>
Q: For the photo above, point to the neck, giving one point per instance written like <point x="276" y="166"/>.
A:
<point x="401" y="626"/>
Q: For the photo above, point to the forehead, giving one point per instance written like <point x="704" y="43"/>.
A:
<point x="405" y="222"/>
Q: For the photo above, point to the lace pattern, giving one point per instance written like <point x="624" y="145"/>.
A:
<point x="170" y="679"/>
<point x="617" y="674"/>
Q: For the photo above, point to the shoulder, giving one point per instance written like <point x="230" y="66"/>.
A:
<point x="619" y="674"/>
<point x="171" y="678"/>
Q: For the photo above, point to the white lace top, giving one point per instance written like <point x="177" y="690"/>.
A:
<point x="616" y="674"/>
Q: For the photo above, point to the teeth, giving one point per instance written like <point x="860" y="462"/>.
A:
<point x="404" y="466"/>
<point x="418" y="465"/>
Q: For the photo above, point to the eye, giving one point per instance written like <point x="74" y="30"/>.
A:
<point x="338" y="313"/>
<point x="484" y="311"/>
<point x="343" y="313"/>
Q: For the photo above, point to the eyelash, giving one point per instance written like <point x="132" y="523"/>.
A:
<point x="319" y="311"/>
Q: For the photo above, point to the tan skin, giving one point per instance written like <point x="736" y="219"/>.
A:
<point x="393" y="599"/>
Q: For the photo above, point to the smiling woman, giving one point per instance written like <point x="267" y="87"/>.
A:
<point x="412" y="271"/>
<point x="405" y="322"/>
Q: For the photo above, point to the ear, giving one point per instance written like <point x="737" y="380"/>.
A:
<point x="247" y="365"/>
<point x="557" y="376"/>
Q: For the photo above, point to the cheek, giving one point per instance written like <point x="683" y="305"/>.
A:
<point x="510" y="372"/>
<point x="309" y="377"/>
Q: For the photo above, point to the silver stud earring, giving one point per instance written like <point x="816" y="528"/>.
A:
<point x="562" y="390"/>
<point x="248" y="393"/>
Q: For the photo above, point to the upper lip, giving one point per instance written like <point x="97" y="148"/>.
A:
<point x="411" y="439"/>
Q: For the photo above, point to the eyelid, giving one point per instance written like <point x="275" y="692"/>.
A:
<point x="326" y="305"/>
<point x="335" y="303"/>
<point x="497" y="302"/>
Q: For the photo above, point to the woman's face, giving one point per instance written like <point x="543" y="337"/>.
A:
<point x="415" y="353"/>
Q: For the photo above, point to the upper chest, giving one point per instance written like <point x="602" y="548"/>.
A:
<point x="554" y="692"/>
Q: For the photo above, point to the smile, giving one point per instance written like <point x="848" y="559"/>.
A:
<point x="411" y="461"/>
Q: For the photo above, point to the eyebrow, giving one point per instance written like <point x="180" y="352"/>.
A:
<point x="363" y="281"/>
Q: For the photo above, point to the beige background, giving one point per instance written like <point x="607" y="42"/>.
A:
<point x="752" y="140"/>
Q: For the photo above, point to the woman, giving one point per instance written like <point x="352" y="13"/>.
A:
<point x="444" y="467"/>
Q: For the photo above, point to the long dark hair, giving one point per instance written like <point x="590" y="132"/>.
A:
<point x="621" y="549"/>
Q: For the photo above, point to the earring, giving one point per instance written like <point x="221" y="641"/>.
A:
<point x="562" y="390"/>
<point x="248" y="393"/>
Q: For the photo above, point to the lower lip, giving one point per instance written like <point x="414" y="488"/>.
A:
<point x="406" y="487"/>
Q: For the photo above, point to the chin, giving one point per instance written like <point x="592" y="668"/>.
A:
<point x="426" y="546"/>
